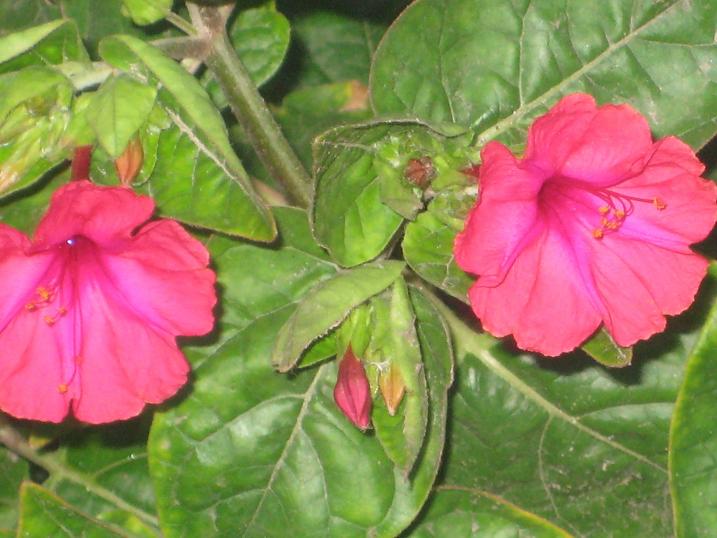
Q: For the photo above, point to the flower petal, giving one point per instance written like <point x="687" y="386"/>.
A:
<point x="497" y="228"/>
<point x="542" y="302"/>
<point x="598" y="145"/>
<point x="640" y="282"/>
<point x="102" y="214"/>
<point x="687" y="210"/>
<point x="163" y="276"/>
<point x="31" y="370"/>
<point x="124" y="361"/>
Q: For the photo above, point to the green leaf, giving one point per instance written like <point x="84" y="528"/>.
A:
<point x="428" y="243"/>
<point x="198" y="178"/>
<point x="21" y="14"/>
<point x="115" y="486"/>
<point x="23" y="210"/>
<point x="144" y="12"/>
<point x="307" y="112"/>
<point x="51" y="43"/>
<point x="261" y="38"/>
<point x="254" y="453"/>
<point x="693" y="439"/>
<point x="337" y="47"/>
<point x="351" y="219"/>
<point x="14" y="471"/>
<point x="466" y="512"/>
<point x="587" y="445"/>
<point x="603" y="349"/>
<point x="327" y="305"/>
<point x="120" y="107"/>
<point x="288" y="271"/>
<point x="402" y="438"/>
<point x="493" y="65"/>
<point x="42" y="513"/>
<point x="33" y="118"/>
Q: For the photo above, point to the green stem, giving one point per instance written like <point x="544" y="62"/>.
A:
<point x="248" y="106"/>
<point x="184" y="25"/>
<point x="17" y="444"/>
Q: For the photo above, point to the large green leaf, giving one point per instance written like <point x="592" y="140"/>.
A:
<point x="693" y="440"/>
<point x="253" y="453"/>
<point x="579" y="445"/>
<point x="44" y="514"/>
<point x="493" y="65"/>
<point x="327" y="305"/>
<point x="466" y="512"/>
<point x="50" y="43"/>
<point x="198" y="178"/>
<point x="105" y="475"/>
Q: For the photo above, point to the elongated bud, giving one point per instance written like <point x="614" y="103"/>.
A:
<point x="129" y="163"/>
<point x="392" y="389"/>
<point x="352" y="392"/>
<point x="81" y="163"/>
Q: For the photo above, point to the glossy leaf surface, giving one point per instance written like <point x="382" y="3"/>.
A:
<point x="493" y="65"/>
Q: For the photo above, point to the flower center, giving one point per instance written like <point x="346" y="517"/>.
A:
<point x="54" y="297"/>
<point x="613" y="210"/>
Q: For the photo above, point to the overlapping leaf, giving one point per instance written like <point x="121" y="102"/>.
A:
<point x="493" y="65"/>
<point x="581" y="446"/>
<point x="198" y="178"/>
<point x="246" y="450"/>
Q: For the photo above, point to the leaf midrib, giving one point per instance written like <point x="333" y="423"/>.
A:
<point x="506" y="123"/>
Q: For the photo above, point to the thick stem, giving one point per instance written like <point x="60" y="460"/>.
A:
<point x="15" y="442"/>
<point x="248" y="106"/>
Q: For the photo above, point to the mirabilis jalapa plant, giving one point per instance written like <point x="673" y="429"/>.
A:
<point x="313" y="284"/>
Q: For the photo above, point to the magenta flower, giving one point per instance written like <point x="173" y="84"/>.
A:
<point x="91" y="306"/>
<point x="352" y="392"/>
<point x="592" y="225"/>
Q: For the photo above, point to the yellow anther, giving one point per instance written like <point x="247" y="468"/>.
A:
<point x="598" y="233"/>
<point x="44" y="293"/>
<point x="659" y="204"/>
<point x="620" y="214"/>
<point x="604" y="210"/>
<point x="49" y="320"/>
<point x="62" y="388"/>
<point x="30" y="307"/>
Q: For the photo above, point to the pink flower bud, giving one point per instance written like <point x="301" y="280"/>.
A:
<point x="352" y="392"/>
<point x="81" y="163"/>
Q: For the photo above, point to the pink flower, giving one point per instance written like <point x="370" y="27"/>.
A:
<point x="352" y="392"/>
<point x="592" y="225"/>
<point x="91" y="306"/>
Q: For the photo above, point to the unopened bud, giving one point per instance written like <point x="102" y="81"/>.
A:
<point x="129" y="163"/>
<point x="420" y="172"/>
<point x="81" y="163"/>
<point x="472" y="171"/>
<point x="352" y="392"/>
<point x="392" y="389"/>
